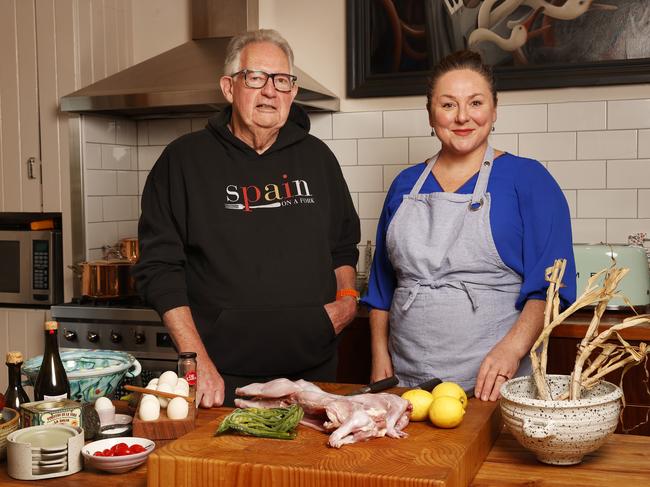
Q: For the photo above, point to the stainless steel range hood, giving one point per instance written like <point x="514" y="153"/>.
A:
<point x="185" y="80"/>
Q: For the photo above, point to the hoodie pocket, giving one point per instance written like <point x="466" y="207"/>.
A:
<point x="270" y="341"/>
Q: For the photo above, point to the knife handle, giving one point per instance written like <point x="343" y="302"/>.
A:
<point x="383" y="384"/>
<point x="429" y="385"/>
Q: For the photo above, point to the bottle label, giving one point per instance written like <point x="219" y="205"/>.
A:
<point x="190" y="377"/>
<point x="55" y="398"/>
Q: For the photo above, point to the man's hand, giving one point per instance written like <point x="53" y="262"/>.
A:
<point x="210" y="387"/>
<point x="341" y="312"/>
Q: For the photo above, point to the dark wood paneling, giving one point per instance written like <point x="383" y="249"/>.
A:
<point x="562" y="353"/>
<point x="354" y="353"/>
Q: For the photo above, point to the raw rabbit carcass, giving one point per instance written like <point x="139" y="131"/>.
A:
<point x="349" y="419"/>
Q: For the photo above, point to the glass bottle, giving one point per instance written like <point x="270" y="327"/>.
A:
<point x="15" y="394"/>
<point x="187" y="370"/>
<point x="52" y="381"/>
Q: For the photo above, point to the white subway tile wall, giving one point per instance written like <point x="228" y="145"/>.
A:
<point x="421" y="148"/>
<point x="628" y="114"/>
<point x="610" y="144"/>
<point x="572" y="117"/>
<point x="520" y="119"/>
<point x="598" y="151"/>
<point x="644" y="143"/>
<point x="345" y="151"/>
<point x="383" y="151"/>
<point x="110" y="165"/>
<point x="406" y="123"/>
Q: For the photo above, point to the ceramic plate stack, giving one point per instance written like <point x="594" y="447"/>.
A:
<point x="40" y="452"/>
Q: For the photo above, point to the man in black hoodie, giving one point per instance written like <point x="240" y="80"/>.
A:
<point x="248" y="234"/>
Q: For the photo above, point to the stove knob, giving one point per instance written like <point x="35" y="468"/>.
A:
<point x="70" y="335"/>
<point x="93" y="337"/>
<point x="139" y="338"/>
<point x="115" y="337"/>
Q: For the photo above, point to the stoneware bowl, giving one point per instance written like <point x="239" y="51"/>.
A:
<point x="560" y="432"/>
<point x="9" y="424"/>
<point x="116" y="464"/>
<point x="91" y="373"/>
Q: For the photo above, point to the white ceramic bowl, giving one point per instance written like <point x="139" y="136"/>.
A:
<point x="560" y="432"/>
<point x="116" y="464"/>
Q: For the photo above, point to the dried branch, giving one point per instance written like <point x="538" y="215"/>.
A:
<point x="615" y="353"/>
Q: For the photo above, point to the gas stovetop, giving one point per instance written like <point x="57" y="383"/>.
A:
<point x="105" y="310"/>
<point x="128" y="327"/>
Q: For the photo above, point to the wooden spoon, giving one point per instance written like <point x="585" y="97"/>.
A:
<point x="168" y="395"/>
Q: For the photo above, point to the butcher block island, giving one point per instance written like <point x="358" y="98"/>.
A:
<point x="427" y="457"/>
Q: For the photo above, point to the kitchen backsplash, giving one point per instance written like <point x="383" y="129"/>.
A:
<point x="598" y="151"/>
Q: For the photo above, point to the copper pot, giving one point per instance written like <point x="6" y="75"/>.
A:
<point x="106" y="278"/>
<point x="129" y="249"/>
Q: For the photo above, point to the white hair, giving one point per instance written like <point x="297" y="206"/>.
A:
<point x="240" y="41"/>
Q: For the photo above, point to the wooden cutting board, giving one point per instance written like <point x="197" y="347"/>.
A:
<point x="428" y="457"/>
<point x="164" y="428"/>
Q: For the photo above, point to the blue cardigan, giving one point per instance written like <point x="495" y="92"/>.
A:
<point x="530" y="225"/>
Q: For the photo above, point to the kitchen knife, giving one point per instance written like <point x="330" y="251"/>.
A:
<point x="429" y="384"/>
<point x="380" y="385"/>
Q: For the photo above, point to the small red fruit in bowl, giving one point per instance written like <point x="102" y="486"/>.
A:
<point x="117" y="455"/>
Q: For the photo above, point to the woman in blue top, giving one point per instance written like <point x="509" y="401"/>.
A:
<point x="457" y="284"/>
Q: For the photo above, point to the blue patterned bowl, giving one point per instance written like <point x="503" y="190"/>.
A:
<point x="91" y="373"/>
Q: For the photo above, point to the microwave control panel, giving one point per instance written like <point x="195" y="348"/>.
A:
<point x="41" y="265"/>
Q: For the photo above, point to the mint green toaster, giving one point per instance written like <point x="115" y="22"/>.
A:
<point x="591" y="258"/>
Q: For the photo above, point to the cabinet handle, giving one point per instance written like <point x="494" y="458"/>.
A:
<point x="30" y="168"/>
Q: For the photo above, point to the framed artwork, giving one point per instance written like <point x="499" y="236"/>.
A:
<point x="393" y="44"/>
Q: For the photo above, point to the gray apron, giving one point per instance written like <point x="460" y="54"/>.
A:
<point x="455" y="298"/>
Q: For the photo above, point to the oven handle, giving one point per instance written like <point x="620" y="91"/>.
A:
<point x="134" y="373"/>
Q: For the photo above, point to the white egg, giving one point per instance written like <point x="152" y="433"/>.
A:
<point x="153" y="384"/>
<point x="179" y="391"/>
<point x="168" y="377"/>
<point x="164" y="387"/>
<point x="182" y="381"/>
<point x="149" y="410"/>
<point x="103" y="403"/>
<point x="177" y="408"/>
<point x="149" y="397"/>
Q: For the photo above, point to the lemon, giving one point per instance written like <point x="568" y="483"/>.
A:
<point x="446" y="412"/>
<point x="421" y="401"/>
<point x="450" y="389"/>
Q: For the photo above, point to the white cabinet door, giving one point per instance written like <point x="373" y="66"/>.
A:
<point x="21" y="330"/>
<point x="20" y="178"/>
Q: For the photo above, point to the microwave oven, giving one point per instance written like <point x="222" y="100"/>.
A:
<point x="31" y="267"/>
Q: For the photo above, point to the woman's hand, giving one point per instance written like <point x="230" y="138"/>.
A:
<point x="382" y="367"/>
<point x="502" y="362"/>
<point x="499" y="365"/>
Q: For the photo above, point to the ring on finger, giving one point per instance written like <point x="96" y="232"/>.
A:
<point x="504" y="376"/>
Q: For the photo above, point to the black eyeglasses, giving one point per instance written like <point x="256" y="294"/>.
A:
<point x="257" y="79"/>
